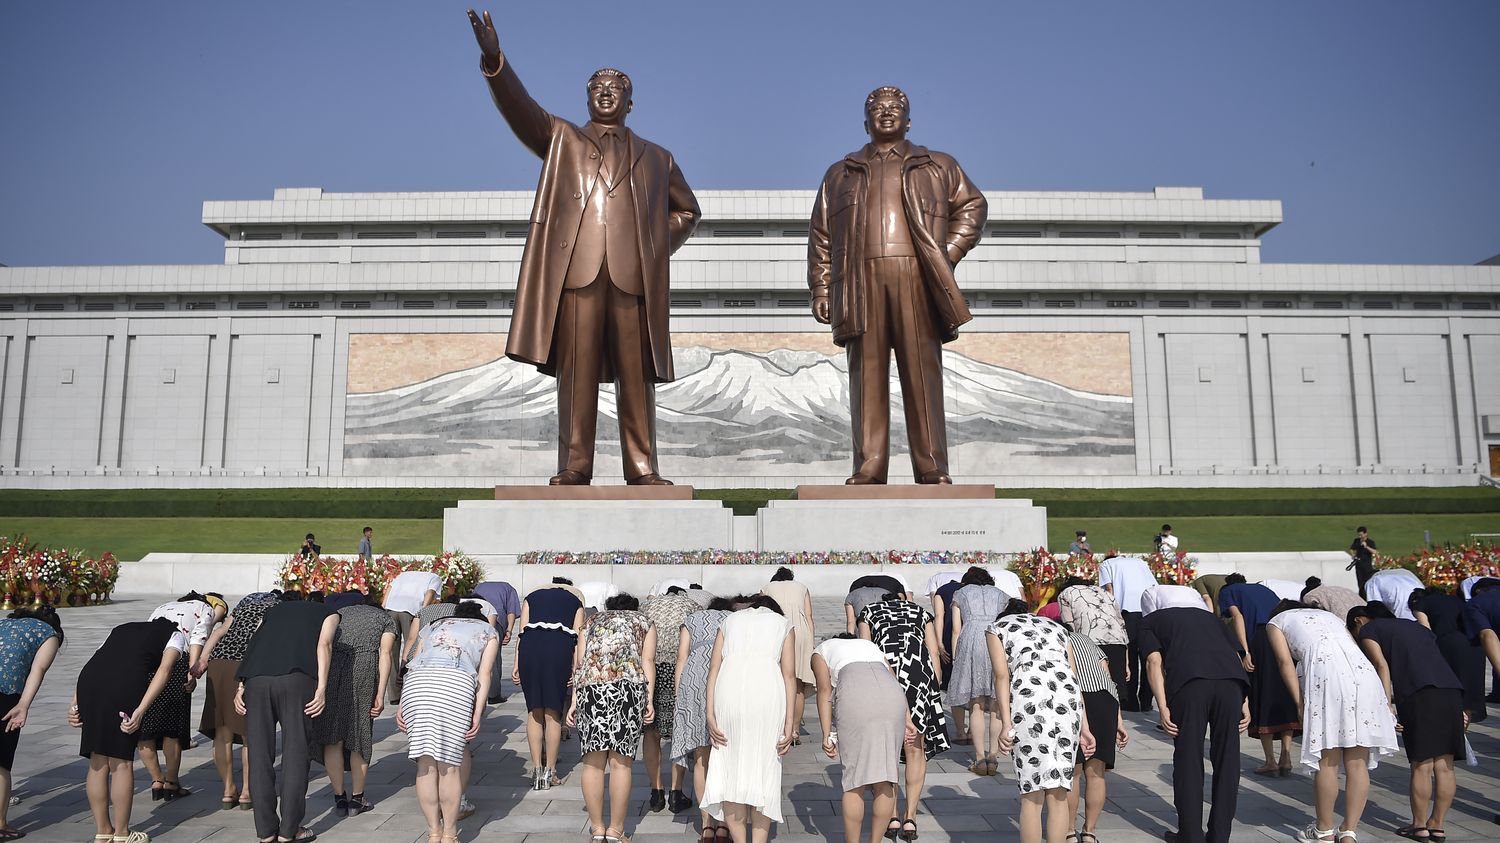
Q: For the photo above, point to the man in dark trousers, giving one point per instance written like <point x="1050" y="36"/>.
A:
<point x="890" y="223"/>
<point x="1362" y="552"/>
<point x="283" y="678"/>
<point x="591" y="298"/>
<point x="1200" y="687"/>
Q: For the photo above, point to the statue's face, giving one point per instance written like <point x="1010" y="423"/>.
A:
<point x="886" y="119"/>
<point x="609" y="99"/>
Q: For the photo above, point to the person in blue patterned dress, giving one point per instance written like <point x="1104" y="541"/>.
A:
<point x="29" y="640"/>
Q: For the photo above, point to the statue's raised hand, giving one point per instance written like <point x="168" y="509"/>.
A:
<point x="484" y="33"/>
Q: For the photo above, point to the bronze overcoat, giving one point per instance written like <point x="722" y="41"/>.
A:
<point x="666" y="213"/>
<point x="944" y="211"/>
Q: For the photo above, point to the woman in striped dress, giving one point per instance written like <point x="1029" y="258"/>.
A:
<point x="442" y="704"/>
<point x="690" y="744"/>
<point x="1101" y="710"/>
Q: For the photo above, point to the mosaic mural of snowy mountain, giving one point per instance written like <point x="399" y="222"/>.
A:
<point x="781" y="413"/>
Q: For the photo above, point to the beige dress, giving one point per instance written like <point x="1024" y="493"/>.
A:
<point x="792" y="597"/>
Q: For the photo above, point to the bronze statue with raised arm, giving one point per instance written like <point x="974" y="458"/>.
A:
<point x="890" y="223"/>
<point x="591" y="301"/>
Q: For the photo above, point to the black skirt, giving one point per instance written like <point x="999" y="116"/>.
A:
<point x="1467" y="660"/>
<point x="170" y="714"/>
<point x="8" y="739"/>
<point x="1103" y="713"/>
<point x="1271" y="708"/>
<point x="1432" y="723"/>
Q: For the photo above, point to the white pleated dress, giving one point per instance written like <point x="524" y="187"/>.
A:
<point x="1343" y="701"/>
<point x="750" y="709"/>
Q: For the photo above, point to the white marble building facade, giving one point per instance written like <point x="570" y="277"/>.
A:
<point x="1118" y="339"/>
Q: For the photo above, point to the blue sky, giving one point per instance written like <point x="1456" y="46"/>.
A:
<point x="1377" y="123"/>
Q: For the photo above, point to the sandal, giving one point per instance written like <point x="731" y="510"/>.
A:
<point x="228" y="802"/>
<point x="721" y="833"/>
<point x="11" y="834"/>
<point x="1089" y="835"/>
<point x="615" y="838"/>
<point x="909" y="834"/>
<point x="1437" y="835"/>
<point x="707" y="836"/>
<point x="892" y="829"/>
<point x="132" y="837"/>
<point x="1414" y="832"/>
<point x="158" y="792"/>
<point x="174" y="790"/>
<point x="1267" y="770"/>
<point x="303" y="836"/>
<point x="246" y="804"/>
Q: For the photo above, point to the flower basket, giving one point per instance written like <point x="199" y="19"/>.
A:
<point x="31" y="574"/>
<point x="1173" y="568"/>
<point x="333" y="574"/>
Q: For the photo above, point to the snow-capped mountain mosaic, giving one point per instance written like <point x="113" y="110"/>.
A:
<point x="777" y="414"/>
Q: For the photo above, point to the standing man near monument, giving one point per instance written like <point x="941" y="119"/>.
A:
<point x="591" y="299"/>
<point x="890" y="223"/>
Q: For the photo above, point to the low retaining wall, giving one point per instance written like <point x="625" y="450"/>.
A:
<point x="241" y="573"/>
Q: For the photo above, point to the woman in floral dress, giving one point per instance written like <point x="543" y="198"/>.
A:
<point x="1346" y="716"/>
<point x="612" y="687"/>
<point x="906" y="634"/>
<point x="1041" y="708"/>
<point x="363" y="655"/>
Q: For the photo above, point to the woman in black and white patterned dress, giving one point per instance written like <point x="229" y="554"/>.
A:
<point x="1037" y="689"/>
<point x="905" y="633"/>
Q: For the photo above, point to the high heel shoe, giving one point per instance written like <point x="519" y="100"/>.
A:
<point x="909" y="834"/>
<point x="158" y="791"/>
<point x="893" y="829"/>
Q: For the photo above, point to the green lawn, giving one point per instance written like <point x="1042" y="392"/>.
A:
<point x="132" y="538"/>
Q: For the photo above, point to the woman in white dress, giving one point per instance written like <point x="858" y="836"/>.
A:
<point x="1345" y="712"/>
<point x="752" y="681"/>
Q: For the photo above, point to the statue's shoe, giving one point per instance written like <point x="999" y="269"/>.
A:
<point x="862" y="479"/>
<point x="649" y="480"/>
<point x="569" y="477"/>
<point x="935" y="478"/>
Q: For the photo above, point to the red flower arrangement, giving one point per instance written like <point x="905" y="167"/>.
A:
<point x="331" y="574"/>
<point x="33" y="574"/>
<point x="1173" y="568"/>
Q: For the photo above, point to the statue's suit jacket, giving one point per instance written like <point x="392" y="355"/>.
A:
<point x="666" y="213"/>
<point x="945" y="213"/>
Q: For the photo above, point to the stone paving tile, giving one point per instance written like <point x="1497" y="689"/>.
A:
<point x="957" y="805"/>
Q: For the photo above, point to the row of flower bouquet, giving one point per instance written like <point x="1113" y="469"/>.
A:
<point x="33" y="574"/>
<point x="1040" y="571"/>
<point x="333" y="574"/>
<point x="1446" y="567"/>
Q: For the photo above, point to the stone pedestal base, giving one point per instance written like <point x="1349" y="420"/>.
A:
<point x="511" y="527"/>
<point x="1005" y="525"/>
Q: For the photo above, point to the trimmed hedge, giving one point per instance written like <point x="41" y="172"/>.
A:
<point x="429" y="503"/>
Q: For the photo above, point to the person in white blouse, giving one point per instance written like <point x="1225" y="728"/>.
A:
<point x="167" y="721"/>
<point x="1170" y="597"/>
<point x="405" y="596"/>
<point x="859" y="694"/>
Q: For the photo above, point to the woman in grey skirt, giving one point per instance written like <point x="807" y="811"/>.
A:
<point x="859" y="693"/>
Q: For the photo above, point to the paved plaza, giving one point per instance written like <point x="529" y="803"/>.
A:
<point x="957" y="805"/>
